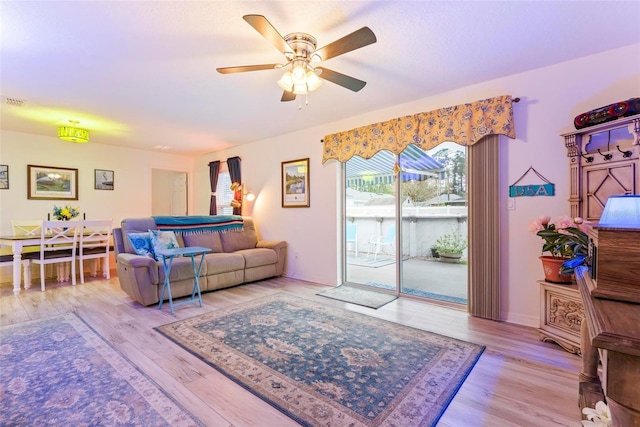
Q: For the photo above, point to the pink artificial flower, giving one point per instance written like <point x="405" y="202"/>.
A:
<point x="539" y="224"/>
<point x="563" y="222"/>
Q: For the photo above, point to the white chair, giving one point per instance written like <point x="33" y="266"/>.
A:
<point x="381" y="242"/>
<point x="351" y="236"/>
<point x="94" y="244"/>
<point x="23" y="228"/>
<point x="58" y="244"/>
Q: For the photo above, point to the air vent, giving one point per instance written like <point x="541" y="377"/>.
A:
<point x="15" y="102"/>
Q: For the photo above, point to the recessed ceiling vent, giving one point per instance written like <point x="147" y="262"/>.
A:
<point x="15" y="102"/>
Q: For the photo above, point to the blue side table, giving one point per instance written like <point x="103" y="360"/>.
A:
<point x="168" y="256"/>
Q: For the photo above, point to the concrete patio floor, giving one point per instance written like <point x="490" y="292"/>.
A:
<point x="421" y="277"/>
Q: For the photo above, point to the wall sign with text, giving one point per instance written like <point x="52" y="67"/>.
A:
<point x="545" y="188"/>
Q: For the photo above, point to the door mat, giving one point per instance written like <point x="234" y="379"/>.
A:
<point x="353" y="295"/>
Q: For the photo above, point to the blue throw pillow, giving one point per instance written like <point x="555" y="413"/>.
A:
<point x="163" y="240"/>
<point x="141" y="243"/>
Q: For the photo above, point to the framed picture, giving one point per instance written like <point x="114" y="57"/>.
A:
<point x="52" y="183"/>
<point x="295" y="184"/>
<point x="103" y="179"/>
<point x="4" y="177"/>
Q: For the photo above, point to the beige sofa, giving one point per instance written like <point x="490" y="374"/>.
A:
<point x="237" y="257"/>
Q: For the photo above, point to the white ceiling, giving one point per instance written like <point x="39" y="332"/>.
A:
<point x="142" y="73"/>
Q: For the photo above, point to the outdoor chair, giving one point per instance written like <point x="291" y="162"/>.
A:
<point x="381" y="242"/>
<point x="352" y="236"/>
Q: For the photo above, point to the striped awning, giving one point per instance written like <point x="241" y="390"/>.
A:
<point x="414" y="163"/>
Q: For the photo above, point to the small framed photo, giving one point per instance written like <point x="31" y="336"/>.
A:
<point x="4" y="177"/>
<point x="52" y="183"/>
<point x="295" y="184"/>
<point x="103" y="179"/>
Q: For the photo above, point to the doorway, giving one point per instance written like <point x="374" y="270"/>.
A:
<point x="394" y="220"/>
<point x="169" y="192"/>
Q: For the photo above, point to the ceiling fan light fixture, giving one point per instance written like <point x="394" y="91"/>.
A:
<point x="313" y="81"/>
<point x="286" y="82"/>
<point x="73" y="133"/>
<point x="298" y="74"/>
<point x="300" y="88"/>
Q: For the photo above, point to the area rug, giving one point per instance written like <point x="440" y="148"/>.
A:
<point x="368" y="261"/>
<point x="326" y="366"/>
<point x="358" y="296"/>
<point x="59" y="371"/>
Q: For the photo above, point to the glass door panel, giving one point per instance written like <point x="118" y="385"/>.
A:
<point x="434" y="212"/>
<point x="370" y="222"/>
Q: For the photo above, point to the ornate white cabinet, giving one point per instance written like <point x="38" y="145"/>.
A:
<point x="561" y="314"/>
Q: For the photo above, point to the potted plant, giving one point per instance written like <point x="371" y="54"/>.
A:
<point x="567" y="241"/>
<point x="450" y="246"/>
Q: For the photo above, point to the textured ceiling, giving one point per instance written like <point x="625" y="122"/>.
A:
<point x="143" y="73"/>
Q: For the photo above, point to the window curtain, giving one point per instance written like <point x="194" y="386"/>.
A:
<point x="464" y="124"/>
<point x="214" y="168"/>
<point x="484" y="227"/>
<point x="233" y="163"/>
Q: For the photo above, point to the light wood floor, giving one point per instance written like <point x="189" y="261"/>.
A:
<point x="518" y="381"/>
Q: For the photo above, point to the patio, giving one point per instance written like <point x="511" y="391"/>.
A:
<point x="421" y="277"/>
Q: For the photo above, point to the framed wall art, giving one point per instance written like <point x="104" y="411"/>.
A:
<point x="4" y="177"/>
<point x="295" y="184"/>
<point x="103" y="179"/>
<point x="52" y="183"/>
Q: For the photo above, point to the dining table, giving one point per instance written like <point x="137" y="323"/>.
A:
<point x="17" y="242"/>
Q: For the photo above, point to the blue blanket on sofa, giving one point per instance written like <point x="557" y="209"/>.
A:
<point x="199" y="224"/>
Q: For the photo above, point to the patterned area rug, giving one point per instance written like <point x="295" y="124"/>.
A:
<point x="58" y="371"/>
<point x="327" y="366"/>
<point x="358" y="296"/>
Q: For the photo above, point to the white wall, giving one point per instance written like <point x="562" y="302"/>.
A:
<point x="550" y="98"/>
<point x="131" y="196"/>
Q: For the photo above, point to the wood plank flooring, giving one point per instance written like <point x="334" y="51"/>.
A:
<point x="518" y="381"/>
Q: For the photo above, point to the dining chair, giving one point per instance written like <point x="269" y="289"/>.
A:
<point x="94" y="242"/>
<point x="58" y="244"/>
<point x="22" y="228"/>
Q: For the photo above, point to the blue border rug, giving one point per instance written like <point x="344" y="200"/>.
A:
<point x="59" y="371"/>
<point x="327" y="366"/>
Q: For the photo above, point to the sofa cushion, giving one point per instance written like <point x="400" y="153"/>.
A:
<point x="223" y="262"/>
<point x="163" y="240"/>
<point x="236" y="241"/>
<point x="258" y="257"/>
<point x="141" y="243"/>
<point x="204" y="240"/>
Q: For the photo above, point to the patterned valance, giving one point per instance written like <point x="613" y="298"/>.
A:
<point x="464" y="124"/>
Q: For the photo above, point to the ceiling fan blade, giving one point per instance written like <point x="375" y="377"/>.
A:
<point x="264" y="27"/>
<point x="341" y="79"/>
<point x="288" y="96"/>
<point x="242" y="69"/>
<point x="360" y="38"/>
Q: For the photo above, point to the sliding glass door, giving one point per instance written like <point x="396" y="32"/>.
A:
<point x="398" y="210"/>
<point x="370" y="222"/>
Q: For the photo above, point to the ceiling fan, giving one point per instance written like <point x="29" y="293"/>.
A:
<point x="303" y="73"/>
